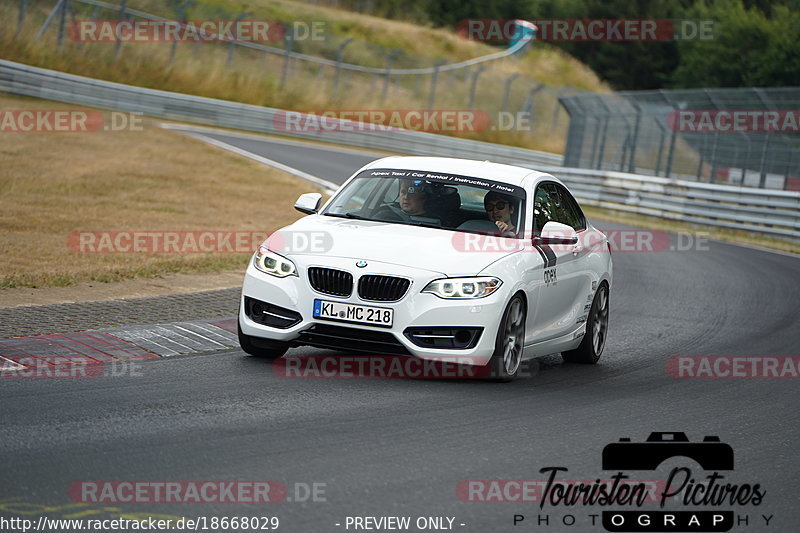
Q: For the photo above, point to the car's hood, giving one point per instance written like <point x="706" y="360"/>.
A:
<point x="448" y="252"/>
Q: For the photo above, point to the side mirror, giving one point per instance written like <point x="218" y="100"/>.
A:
<point x="557" y="233"/>
<point x="308" y="203"/>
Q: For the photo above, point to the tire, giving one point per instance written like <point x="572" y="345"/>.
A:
<point x="507" y="355"/>
<point x="591" y="347"/>
<point x="258" y="347"/>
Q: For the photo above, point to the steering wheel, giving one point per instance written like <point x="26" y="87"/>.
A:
<point x="391" y="212"/>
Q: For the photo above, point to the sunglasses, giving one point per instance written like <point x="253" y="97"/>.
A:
<point x="415" y="187"/>
<point x="497" y="205"/>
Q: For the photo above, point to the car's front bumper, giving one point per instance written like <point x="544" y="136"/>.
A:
<point x="415" y="316"/>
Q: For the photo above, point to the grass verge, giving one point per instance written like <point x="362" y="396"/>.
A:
<point x="54" y="184"/>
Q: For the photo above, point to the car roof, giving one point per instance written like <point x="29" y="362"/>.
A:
<point x="463" y="167"/>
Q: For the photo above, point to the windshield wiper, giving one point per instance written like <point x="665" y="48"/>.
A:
<point x="425" y="224"/>
<point x="347" y="215"/>
<point x="411" y="222"/>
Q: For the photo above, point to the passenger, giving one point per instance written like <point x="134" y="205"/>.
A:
<point x="500" y="209"/>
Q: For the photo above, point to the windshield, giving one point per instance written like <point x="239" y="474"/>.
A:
<point x="445" y="201"/>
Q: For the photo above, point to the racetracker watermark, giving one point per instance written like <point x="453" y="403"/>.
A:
<point x="589" y="30"/>
<point x="68" y="121"/>
<point x="164" y="242"/>
<point x="388" y="367"/>
<point x="568" y="492"/>
<point x="196" y="31"/>
<point x="734" y="121"/>
<point x="733" y="367"/>
<point x="66" y="367"/>
<point x="380" y="120"/>
<point x="136" y="522"/>
<point x="377" y="366"/>
<point x="257" y="492"/>
<point x="647" y="241"/>
<point x="196" y="241"/>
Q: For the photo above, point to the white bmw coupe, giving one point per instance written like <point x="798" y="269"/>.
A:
<point x="435" y="258"/>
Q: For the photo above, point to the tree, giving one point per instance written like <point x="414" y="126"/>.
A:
<point x="748" y="49"/>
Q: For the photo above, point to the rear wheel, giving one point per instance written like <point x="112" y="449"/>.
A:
<point x="258" y="347"/>
<point x="591" y="347"/>
<point x="507" y="354"/>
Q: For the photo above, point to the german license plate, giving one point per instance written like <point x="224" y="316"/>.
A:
<point x="358" y="314"/>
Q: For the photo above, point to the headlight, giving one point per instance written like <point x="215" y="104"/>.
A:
<point x="463" y="288"/>
<point x="273" y="264"/>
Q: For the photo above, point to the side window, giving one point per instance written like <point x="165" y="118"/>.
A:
<point x="363" y="189"/>
<point x="392" y="193"/>
<point x="570" y="213"/>
<point x="545" y="206"/>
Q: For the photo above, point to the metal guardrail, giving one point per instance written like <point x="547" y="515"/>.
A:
<point x="41" y="83"/>
<point x="772" y="213"/>
<point x="767" y="212"/>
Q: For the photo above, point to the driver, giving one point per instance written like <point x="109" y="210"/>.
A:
<point x="413" y="196"/>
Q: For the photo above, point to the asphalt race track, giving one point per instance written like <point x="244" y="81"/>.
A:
<point x="401" y="447"/>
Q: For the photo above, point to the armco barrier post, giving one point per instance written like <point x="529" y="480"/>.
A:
<point x="635" y="137"/>
<point x="62" y="23"/>
<point x="602" y="151"/>
<point x="788" y="170"/>
<point x="714" y="148"/>
<point x="671" y="153"/>
<point x="575" y="130"/>
<point x="507" y="91"/>
<point x="118" y="45"/>
<point x="763" y="166"/>
<point x="23" y="4"/>
<point x="473" y="86"/>
<point x="660" y="153"/>
<point x="287" y="56"/>
<point x="232" y="44"/>
<point x="389" y="58"/>
<point x="181" y="17"/>
<point x="434" y="81"/>
<point x="339" y="61"/>
<point x="527" y="107"/>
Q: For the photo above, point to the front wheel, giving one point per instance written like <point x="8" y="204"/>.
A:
<point x="258" y="347"/>
<point x="507" y="354"/>
<point x="591" y="347"/>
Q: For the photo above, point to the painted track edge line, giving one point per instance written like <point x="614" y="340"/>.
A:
<point x="328" y="186"/>
<point x="275" y="138"/>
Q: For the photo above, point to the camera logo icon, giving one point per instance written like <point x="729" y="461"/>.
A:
<point x="710" y="454"/>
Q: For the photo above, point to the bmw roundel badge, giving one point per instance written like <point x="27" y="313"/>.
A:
<point x="361" y="264"/>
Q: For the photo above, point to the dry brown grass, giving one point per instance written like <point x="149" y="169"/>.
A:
<point x="52" y="184"/>
<point x="255" y="78"/>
